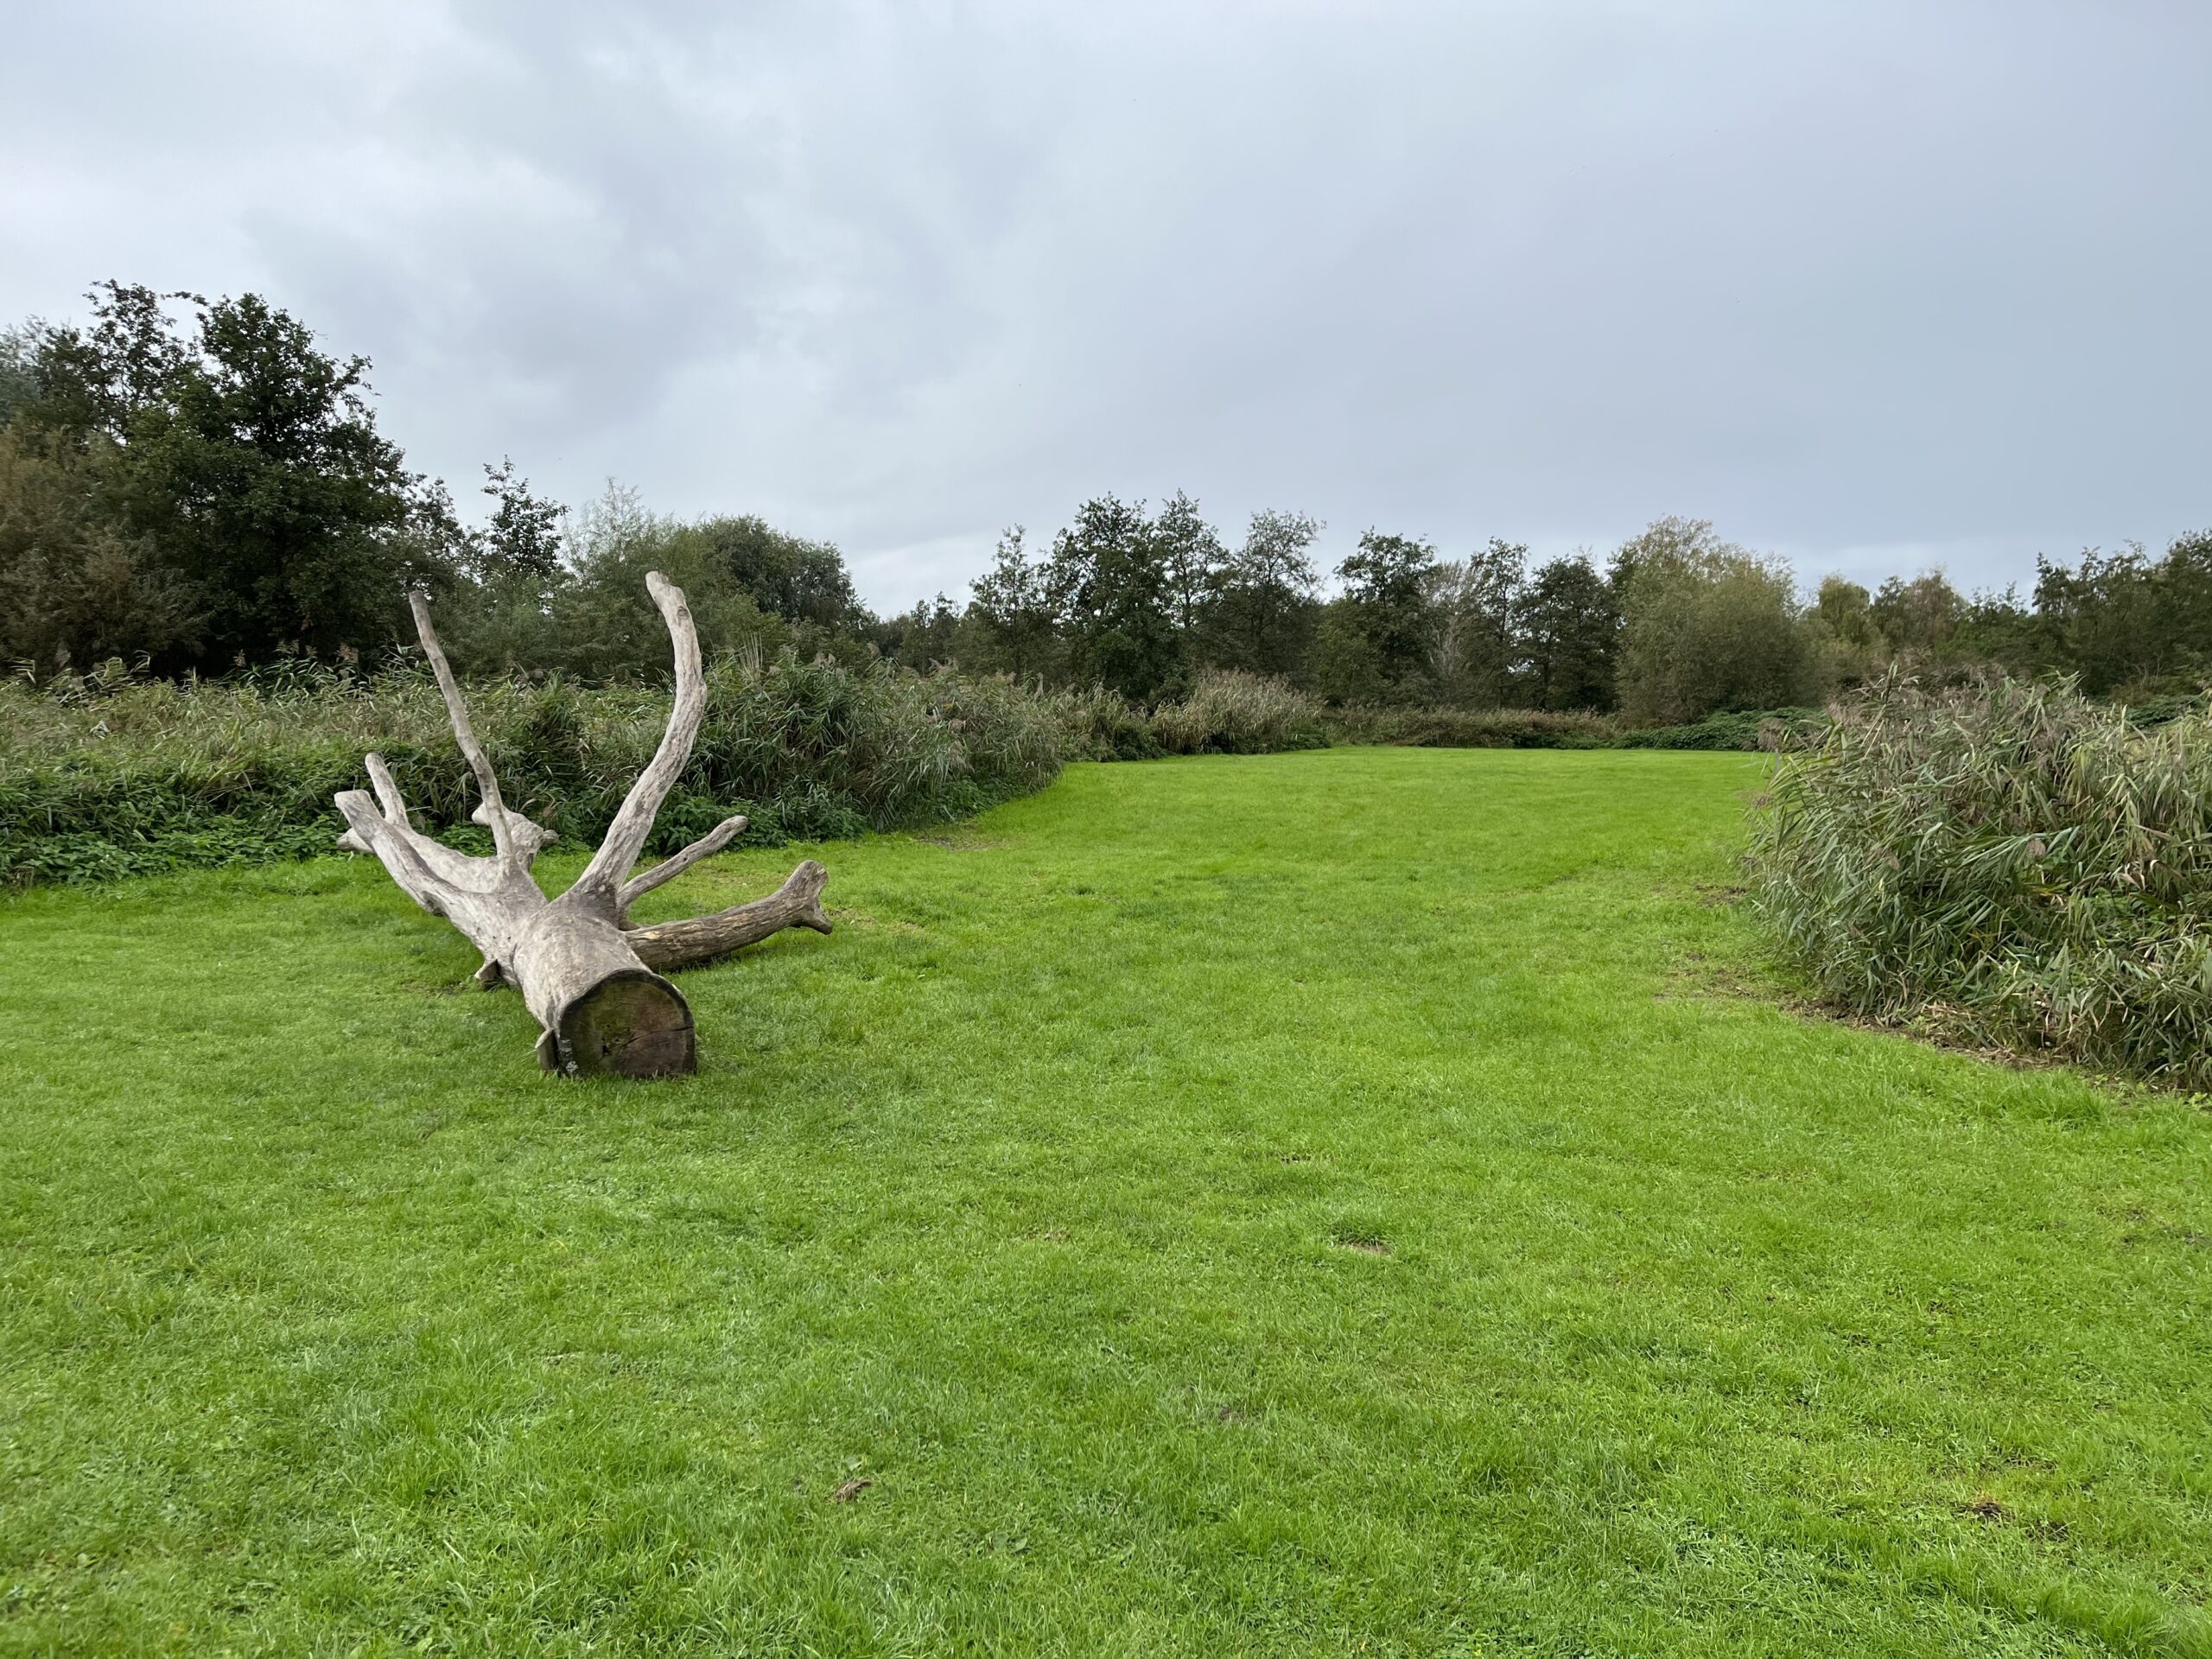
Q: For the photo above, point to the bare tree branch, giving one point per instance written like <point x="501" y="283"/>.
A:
<point x="669" y="868"/>
<point x="634" y="822"/>
<point x="667" y="946"/>
<point x="388" y="795"/>
<point x="487" y="785"/>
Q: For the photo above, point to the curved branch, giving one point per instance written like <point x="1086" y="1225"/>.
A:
<point x="669" y="868"/>
<point x="388" y="795"/>
<point x="634" y="822"/>
<point x="488" y="784"/>
<point x="667" y="946"/>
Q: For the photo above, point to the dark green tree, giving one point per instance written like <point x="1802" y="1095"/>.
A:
<point x="1193" y="555"/>
<point x="1706" y="627"/>
<point x="924" y="637"/>
<point x="522" y="539"/>
<point x="1919" y="616"/>
<point x="1011" y="612"/>
<point x="1477" y="602"/>
<point x="1108" y="582"/>
<point x="1261" y="616"/>
<point x="1569" y="629"/>
<point x="248" y="461"/>
<point x="74" y="589"/>
<point x="1375" y="642"/>
<point x="800" y="581"/>
<point x="20" y="347"/>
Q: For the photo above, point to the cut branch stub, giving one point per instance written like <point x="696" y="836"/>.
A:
<point x="596" y="986"/>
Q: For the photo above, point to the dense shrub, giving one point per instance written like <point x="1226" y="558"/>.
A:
<point x="108" y="775"/>
<point x="2006" y="864"/>
<point x="1478" y="728"/>
<point x="104" y="777"/>
<point x="1101" y="725"/>
<point x="1750" y="728"/>
<point x="1233" y="713"/>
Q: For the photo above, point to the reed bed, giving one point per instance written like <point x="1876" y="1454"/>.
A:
<point x="2004" y="864"/>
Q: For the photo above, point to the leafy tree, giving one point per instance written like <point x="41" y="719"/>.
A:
<point x="1478" y="601"/>
<point x="20" y="347"/>
<point x="800" y="581"/>
<point x="1847" y="647"/>
<point x="1569" y="634"/>
<point x="1261" y="616"/>
<point x="1375" y="641"/>
<point x="248" y="461"/>
<point x="523" y="538"/>
<point x="74" y="589"/>
<point x="1109" y="580"/>
<point x="1919" y="616"/>
<point x="923" y="637"/>
<point x="1706" y="627"/>
<point x="1846" y="610"/>
<point x="1011" y="611"/>
<point x="2129" y="624"/>
<point x="1194" y="558"/>
<point x="602" y="622"/>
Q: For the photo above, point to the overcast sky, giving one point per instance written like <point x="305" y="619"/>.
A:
<point x="1873" y="285"/>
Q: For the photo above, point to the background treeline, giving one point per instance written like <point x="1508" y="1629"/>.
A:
<point x="195" y="485"/>
<point x="1677" y="624"/>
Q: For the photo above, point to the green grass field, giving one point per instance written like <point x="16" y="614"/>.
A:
<point x="1365" y="1201"/>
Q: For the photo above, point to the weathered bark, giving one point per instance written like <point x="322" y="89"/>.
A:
<point x="669" y="946"/>
<point x="595" y="985"/>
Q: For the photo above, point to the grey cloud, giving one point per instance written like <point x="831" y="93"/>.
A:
<point x="1866" y="283"/>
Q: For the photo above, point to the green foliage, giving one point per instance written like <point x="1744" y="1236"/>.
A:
<point x="1095" y="724"/>
<point x="1377" y="641"/>
<point x="74" y="587"/>
<point x="1743" y="729"/>
<point x="1569" y="628"/>
<point x="1708" y="627"/>
<point x="1228" y="712"/>
<point x="1110" y="585"/>
<point x="19" y="344"/>
<point x="2127" y="624"/>
<point x="1478" y="646"/>
<point x="1013" y="617"/>
<point x="1478" y="728"/>
<point x="2006" y="864"/>
<point x="247" y="463"/>
<point x="789" y="576"/>
<point x="107" y="777"/>
<point x="1258" y="614"/>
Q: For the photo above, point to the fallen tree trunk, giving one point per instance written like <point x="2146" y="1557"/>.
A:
<point x="596" y="986"/>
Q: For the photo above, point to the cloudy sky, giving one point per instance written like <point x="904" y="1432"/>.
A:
<point x="1875" y="285"/>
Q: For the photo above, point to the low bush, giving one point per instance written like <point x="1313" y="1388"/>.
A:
<point x="104" y="777"/>
<point x="2004" y="864"/>
<point x="1752" y="729"/>
<point x="1233" y="713"/>
<point x="1101" y="725"/>
<point x="1478" y="728"/>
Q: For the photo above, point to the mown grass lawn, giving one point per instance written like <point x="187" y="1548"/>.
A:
<point x="1352" y="1202"/>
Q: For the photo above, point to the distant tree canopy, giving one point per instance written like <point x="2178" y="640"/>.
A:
<point x="241" y="469"/>
<point x="199" y="484"/>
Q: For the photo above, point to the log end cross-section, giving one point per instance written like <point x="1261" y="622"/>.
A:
<point x="632" y="1024"/>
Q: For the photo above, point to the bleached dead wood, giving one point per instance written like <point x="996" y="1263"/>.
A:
<point x="596" y="986"/>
